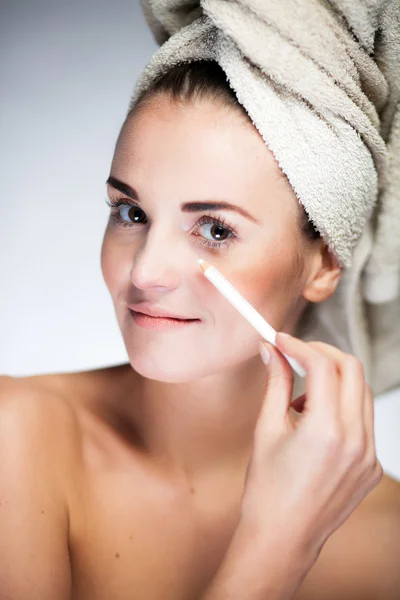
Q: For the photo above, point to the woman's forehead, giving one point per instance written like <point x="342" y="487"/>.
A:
<point x="200" y="131"/>
<point x="184" y="148"/>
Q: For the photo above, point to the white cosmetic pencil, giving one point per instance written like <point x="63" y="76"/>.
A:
<point x="253" y="317"/>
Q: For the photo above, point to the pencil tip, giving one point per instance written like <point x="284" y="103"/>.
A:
<point x="203" y="264"/>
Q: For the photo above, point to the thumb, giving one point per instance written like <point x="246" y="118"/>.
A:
<point x="279" y="389"/>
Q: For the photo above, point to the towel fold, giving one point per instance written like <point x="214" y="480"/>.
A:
<point x="320" y="80"/>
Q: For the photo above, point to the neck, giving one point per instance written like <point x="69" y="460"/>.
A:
<point x="200" y="425"/>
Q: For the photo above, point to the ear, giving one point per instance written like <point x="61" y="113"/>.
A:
<point x="324" y="275"/>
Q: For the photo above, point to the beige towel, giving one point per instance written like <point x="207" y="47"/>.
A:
<point x="320" y="80"/>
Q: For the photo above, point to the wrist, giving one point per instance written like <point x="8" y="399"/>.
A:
<point x="261" y="562"/>
<point x="276" y="541"/>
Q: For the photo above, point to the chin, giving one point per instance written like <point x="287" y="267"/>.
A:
<point x="167" y="370"/>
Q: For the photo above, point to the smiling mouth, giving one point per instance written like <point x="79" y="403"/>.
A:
<point x="148" y="322"/>
<point x="138" y="313"/>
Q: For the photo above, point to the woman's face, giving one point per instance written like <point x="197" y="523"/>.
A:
<point x="172" y="165"/>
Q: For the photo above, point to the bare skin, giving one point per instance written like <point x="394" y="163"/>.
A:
<point x="137" y="529"/>
<point x="126" y="482"/>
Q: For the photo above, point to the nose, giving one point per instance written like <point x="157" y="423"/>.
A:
<point x="160" y="261"/>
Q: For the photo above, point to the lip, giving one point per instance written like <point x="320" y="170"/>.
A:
<point x="158" y="312"/>
<point x="160" y="323"/>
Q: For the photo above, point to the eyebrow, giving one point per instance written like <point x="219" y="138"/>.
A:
<point x="189" y="207"/>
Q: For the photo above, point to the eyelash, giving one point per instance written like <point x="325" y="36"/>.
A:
<point x="115" y="203"/>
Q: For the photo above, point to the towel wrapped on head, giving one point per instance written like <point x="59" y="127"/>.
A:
<point x="320" y="80"/>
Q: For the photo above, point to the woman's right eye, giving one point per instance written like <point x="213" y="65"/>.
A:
<point x="125" y="214"/>
<point x="134" y="213"/>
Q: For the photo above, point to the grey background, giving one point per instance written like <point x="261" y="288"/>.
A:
<point x="67" y="70"/>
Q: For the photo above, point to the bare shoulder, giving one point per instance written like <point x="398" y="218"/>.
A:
<point x="35" y="414"/>
<point x="362" y="558"/>
<point x="43" y="413"/>
<point x="57" y="396"/>
<point x="38" y="438"/>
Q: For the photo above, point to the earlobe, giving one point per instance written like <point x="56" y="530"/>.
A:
<point x="325" y="278"/>
<point x="320" y="289"/>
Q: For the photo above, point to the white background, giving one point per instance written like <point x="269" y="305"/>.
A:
<point x="66" y="74"/>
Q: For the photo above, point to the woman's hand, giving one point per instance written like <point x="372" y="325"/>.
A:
<point x="308" y="474"/>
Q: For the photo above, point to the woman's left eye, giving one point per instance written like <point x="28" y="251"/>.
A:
<point x="221" y="233"/>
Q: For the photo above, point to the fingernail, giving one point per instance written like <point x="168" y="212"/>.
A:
<point x="284" y="335"/>
<point x="265" y="354"/>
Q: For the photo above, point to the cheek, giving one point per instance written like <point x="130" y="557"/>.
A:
<point x="269" y="286"/>
<point x="114" y="264"/>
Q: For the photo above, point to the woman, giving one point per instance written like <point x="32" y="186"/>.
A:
<point x="185" y="473"/>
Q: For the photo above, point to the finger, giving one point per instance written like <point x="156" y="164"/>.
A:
<point x="369" y="417"/>
<point x="353" y="397"/>
<point x="352" y="383"/>
<point x="322" y="378"/>
<point x="337" y="355"/>
<point x="279" y="388"/>
<point x="357" y="403"/>
<point x="333" y="352"/>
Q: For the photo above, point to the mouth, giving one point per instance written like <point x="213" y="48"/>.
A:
<point x="138" y="312"/>
<point x="158" y="312"/>
<point x="150" y="322"/>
